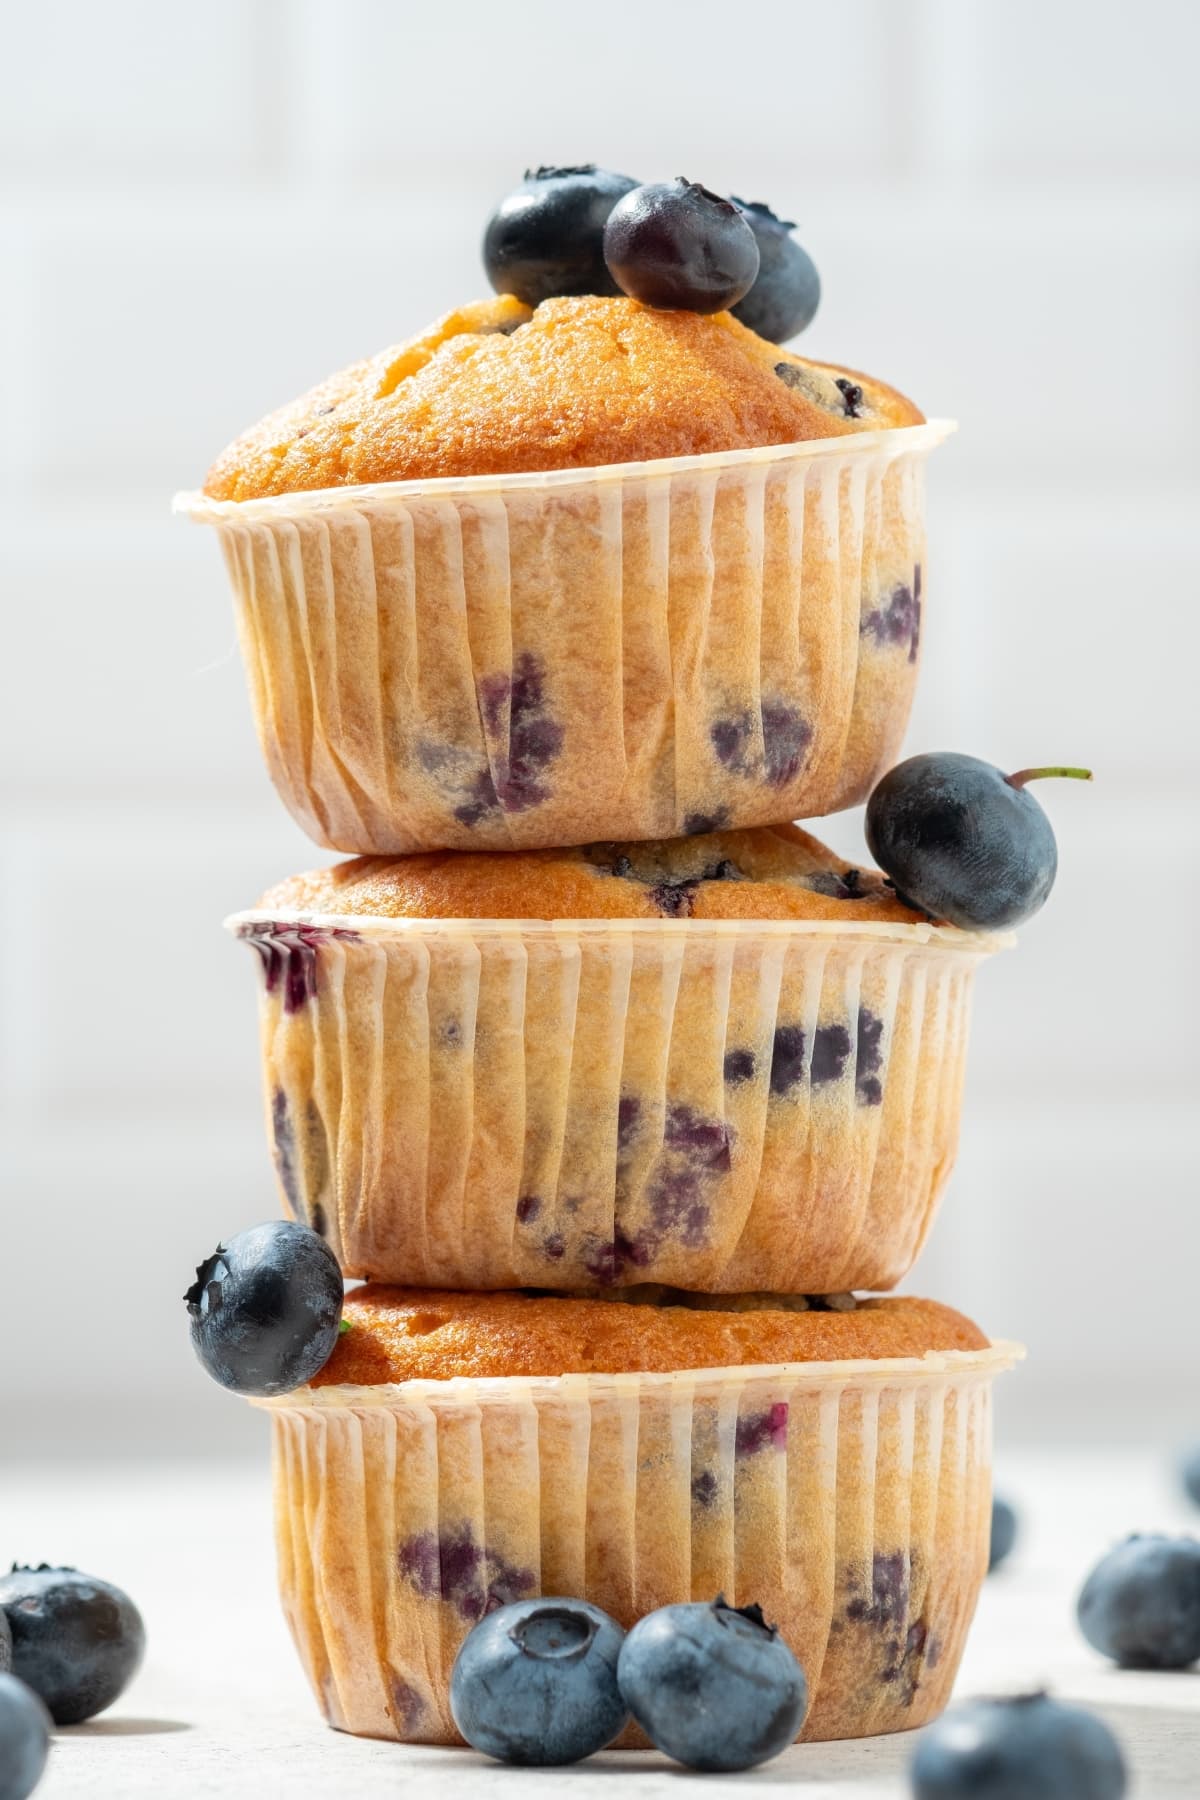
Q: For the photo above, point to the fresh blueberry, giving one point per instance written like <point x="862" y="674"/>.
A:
<point x="266" y="1308"/>
<point x="76" y="1641"/>
<point x="1004" y="1531"/>
<point x="787" y="290"/>
<point x="548" y="237"/>
<point x="714" y="1686"/>
<point x="1141" y="1603"/>
<point x="536" y="1682"/>
<point x="24" y="1739"/>
<point x="1028" y="1748"/>
<point x="962" y="841"/>
<point x="675" y="244"/>
<point x="1189" y="1474"/>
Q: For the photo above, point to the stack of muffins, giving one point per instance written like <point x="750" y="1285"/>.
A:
<point x="613" y="1084"/>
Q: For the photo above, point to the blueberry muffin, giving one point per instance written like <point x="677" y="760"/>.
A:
<point x="830" y="1462"/>
<point x="592" y="570"/>
<point x="728" y="1062"/>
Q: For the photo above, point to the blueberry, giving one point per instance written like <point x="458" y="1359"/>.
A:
<point x="962" y="841"/>
<point x="787" y="290"/>
<point x="1029" y="1748"/>
<point x="266" y="1308"/>
<point x="1189" y="1474"/>
<point x="548" y="237"/>
<point x="1141" y="1603"/>
<point x="536" y="1682"/>
<point x="675" y="244"/>
<point x="1004" y="1532"/>
<point x="5" y="1644"/>
<point x="24" y="1739"/>
<point x="76" y="1641"/>
<point x="714" y="1686"/>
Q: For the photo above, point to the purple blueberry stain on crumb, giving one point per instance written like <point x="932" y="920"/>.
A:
<point x="896" y="621"/>
<point x="700" y="824"/>
<point x="289" y="956"/>
<point x="729" y="738"/>
<point x="528" y="1208"/>
<point x="762" y="1430"/>
<point x="629" y="1112"/>
<point x="674" y="899"/>
<point x="868" y="1087"/>
<point x="452" y="1566"/>
<point x="852" y="395"/>
<point x="702" y="1140"/>
<point x="786" y="737"/>
<point x="554" y="1247"/>
<point x="607" y="1263"/>
<point x="740" y="1066"/>
<point x="408" y="1706"/>
<point x="704" y="1488"/>
<point x="284" y="1137"/>
<point x="787" y="1058"/>
<point x="831" y="1051"/>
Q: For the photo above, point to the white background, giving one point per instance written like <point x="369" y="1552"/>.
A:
<point x="203" y="210"/>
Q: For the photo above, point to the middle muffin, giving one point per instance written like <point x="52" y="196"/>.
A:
<point x="723" y="1063"/>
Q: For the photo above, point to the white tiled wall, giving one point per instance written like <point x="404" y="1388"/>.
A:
<point x="201" y="212"/>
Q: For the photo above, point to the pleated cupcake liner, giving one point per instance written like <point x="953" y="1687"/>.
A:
<point x="851" y="1500"/>
<point x="642" y="650"/>
<point x="716" y="1106"/>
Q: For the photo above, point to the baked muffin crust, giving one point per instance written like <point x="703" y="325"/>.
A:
<point x="406" y="1334"/>
<point x="495" y="389"/>
<point x="771" y="872"/>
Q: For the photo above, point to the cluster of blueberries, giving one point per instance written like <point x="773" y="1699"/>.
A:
<point x="668" y="244"/>
<point x="69" y="1645"/>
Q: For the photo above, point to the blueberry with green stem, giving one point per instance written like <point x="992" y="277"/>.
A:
<point x="675" y="244"/>
<point x="24" y="1739"/>
<point x="77" y="1641"/>
<point x="547" y="237"/>
<point x="266" y="1308"/>
<point x="787" y="289"/>
<point x="963" y="841"/>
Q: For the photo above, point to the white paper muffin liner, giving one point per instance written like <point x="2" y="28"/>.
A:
<point x="642" y="650"/>
<point x="851" y="1500"/>
<point x="718" y="1106"/>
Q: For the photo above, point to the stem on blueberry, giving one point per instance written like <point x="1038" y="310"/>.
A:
<point x="1023" y="775"/>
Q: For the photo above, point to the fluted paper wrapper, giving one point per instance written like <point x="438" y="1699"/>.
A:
<point x="850" y="1500"/>
<point x="715" y="1106"/>
<point x="637" y="651"/>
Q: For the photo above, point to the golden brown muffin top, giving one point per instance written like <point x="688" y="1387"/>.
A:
<point x="407" y="1334"/>
<point x="770" y="872"/>
<point x="495" y="389"/>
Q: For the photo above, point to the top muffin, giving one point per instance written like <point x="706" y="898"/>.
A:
<point x="496" y="388"/>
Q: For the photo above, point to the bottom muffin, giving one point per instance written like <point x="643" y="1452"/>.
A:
<point x="827" y="1458"/>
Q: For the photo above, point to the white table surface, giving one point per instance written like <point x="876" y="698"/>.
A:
<point x="220" y="1707"/>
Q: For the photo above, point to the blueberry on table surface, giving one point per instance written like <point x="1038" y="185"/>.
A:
<point x="787" y="289"/>
<point x="1028" y="1748"/>
<point x="24" y="1739"/>
<point x="536" y="1682"/>
<point x="1189" y="1474"/>
<point x="1004" y="1532"/>
<point x="76" y="1641"/>
<point x="1141" y="1603"/>
<point x="963" y="841"/>
<point x="713" y="1685"/>
<point x="547" y="237"/>
<point x="266" y="1308"/>
<point x="676" y="244"/>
